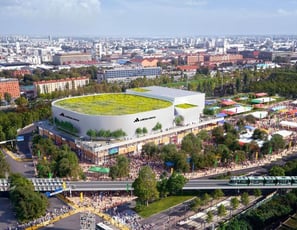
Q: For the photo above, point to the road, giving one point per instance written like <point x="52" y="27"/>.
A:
<point x="23" y="146"/>
<point x="25" y="168"/>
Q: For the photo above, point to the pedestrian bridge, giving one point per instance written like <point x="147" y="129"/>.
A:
<point x="40" y="184"/>
<point x="57" y="184"/>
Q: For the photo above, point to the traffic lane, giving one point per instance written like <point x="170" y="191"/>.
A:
<point x="25" y="168"/>
<point x="7" y="217"/>
<point x="169" y="217"/>
<point x="23" y="146"/>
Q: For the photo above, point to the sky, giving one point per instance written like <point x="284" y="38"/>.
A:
<point x="147" y="18"/>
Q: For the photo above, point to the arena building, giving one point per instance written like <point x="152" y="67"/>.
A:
<point x="153" y="108"/>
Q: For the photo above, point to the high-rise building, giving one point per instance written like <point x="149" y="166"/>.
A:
<point x="98" y="50"/>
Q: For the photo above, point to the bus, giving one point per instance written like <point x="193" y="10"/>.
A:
<point x="102" y="226"/>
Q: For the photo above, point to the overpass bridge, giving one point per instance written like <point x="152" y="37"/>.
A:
<point x="49" y="185"/>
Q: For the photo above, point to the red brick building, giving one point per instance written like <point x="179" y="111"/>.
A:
<point x="11" y="86"/>
<point x="194" y="59"/>
<point x="21" y="73"/>
<point x="223" y="58"/>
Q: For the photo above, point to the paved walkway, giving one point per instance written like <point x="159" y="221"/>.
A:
<point x="220" y="170"/>
<point x="76" y="209"/>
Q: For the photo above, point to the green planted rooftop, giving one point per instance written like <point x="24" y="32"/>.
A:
<point x="185" y="106"/>
<point x="112" y="104"/>
<point x="140" y="90"/>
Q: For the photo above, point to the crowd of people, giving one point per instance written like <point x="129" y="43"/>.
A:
<point x="100" y="201"/>
<point x="129" y="218"/>
<point x="49" y="216"/>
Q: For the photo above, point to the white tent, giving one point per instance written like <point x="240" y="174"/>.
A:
<point x="283" y="133"/>
<point x="259" y="114"/>
<point x="288" y="124"/>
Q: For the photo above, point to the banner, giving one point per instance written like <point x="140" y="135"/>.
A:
<point x="270" y="150"/>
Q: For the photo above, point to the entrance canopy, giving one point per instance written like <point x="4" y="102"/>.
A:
<point x="98" y="169"/>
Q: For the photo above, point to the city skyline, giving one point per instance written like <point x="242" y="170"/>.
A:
<point x="154" y="18"/>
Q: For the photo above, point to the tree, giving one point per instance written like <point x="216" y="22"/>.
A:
<point x="27" y="204"/>
<point x="138" y="131"/>
<point x="21" y="101"/>
<point x="217" y="194"/>
<point x="260" y="135"/>
<point x="7" y="97"/>
<point x="234" y="203"/>
<point x="203" y="135"/>
<point x="120" y="169"/>
<point x="145" y="185"/>
<point x="277" y="171"/>
<point x="191" y="143"/>
<point x="123" y="166"/>
<point x="162" y="187"/>
<point x="113" y="172"/>
<point x="205" y="198"/>
<point x="218" y="134"/>
<point x="222" y="210"/>
<point x="180" y="162"/>
<point x="195" y="204"/>
<point x="5" y="169"/>
<point x="257" y="192"/>
<point x="144" y="130"/>
<point x="179" y="120"/>
<point x="244" y="198"/>
<point x="91" y="133"/>
<point x="158" y="126"/>
<point x="277" y="142"/>
<point x="149" y="149"/>
<point x="209" y="217"/>
<point x="175" y="183"/>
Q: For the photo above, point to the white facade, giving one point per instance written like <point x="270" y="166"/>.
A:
<point x="177" y="96"/>
<point x="128" y="123"/>
<point x="50" y="86"/>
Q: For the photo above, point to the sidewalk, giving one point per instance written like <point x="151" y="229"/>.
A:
<point x="16" y="157"/>
<point x="267" y="160"/>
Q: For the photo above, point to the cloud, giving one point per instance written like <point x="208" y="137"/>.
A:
<point x="38" y="9"/>
<point x="196" y="2"/>
<point x="284" y="12"/>
<point x="49" y="16"/>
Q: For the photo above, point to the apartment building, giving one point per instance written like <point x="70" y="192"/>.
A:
<point x="128" y="73"/>
<point x="223" y="58"/>
<point x="71" y="58"/>
<point x="194" y="60"/>
<point x="11" y="86"/>
<point x="43" y="87"/>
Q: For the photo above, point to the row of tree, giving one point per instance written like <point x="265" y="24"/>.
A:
<point x="267" y="215"/>
<point x="220" y="147"/>
<point x="11" y="121"/>
<point x="92" y="133"/>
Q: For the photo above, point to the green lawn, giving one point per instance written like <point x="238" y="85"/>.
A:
<point x="162" y="205"/>
<point x="112" y="104"/>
